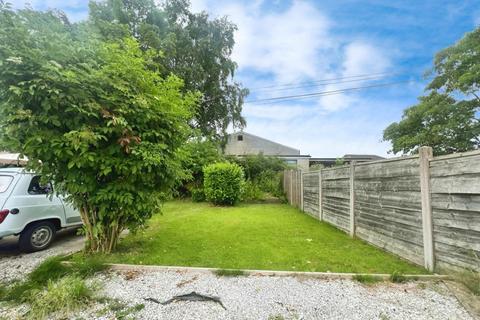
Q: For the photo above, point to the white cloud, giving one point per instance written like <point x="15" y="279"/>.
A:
<point x="358" y="130"/>
<point x="276" y="112"/>
<point x="364" y="58"/>
<point x="294" y="45"/>
<point x="285" y="44"/>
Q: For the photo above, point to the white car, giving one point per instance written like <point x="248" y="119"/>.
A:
<point x="32" y="210"/>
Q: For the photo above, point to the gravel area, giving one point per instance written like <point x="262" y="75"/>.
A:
<point x="261" y="297"/>
<point x="252" y="297"/>
<point x="15" y="264"/>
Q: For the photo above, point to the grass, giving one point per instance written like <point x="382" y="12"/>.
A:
<point x="251" y="236"/>
<point x="50" y="270"/>
<point x="53" y="287"/>
<point x="63" y="296"/>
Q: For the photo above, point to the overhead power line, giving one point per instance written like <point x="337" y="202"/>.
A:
<point x="322" y="93"/>
<point x="322" y="80"/>
<point x="318" y="84"/>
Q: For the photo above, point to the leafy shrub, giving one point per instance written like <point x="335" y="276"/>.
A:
<point x="196" y="154"/>
<point x="198" y="195"/>
<point x="93" y="117"/>
<point x="252" y="192"/>
<point x="223" y="183"/>
<point x="255" y="166"/>
<point x="264" y="173"/>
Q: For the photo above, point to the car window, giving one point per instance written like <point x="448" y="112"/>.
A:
<point x="36" y="187"/>
<point x="5" y="183"/>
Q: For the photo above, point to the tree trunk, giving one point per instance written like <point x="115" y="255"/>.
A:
<point x="102" y="236"/>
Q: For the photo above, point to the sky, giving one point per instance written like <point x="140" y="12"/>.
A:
<point x="286" y="48"/>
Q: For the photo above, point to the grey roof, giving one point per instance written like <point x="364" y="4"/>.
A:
<point x="255" y="136"/>
<point x="362" y="156"/>
<point x="12" y="170"/>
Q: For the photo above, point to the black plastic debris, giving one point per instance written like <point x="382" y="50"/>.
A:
<point x="192" y="296"/>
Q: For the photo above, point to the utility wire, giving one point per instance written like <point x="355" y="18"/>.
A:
<point x="319" y="84"/>
<point x="323" y="80"/>
<point x="323" y="93"/>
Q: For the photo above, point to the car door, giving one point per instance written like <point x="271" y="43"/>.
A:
<point x="72" y="215"/>
<point x="35" y="200"/>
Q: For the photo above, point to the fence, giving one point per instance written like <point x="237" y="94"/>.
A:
<point x="425" y="209"/>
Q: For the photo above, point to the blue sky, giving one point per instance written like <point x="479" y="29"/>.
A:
<point x="297" y="42"/>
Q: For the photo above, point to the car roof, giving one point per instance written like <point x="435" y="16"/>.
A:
<point x="13" y="170"/>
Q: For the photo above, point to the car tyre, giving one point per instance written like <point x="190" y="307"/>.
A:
<point x="37" y="236"/>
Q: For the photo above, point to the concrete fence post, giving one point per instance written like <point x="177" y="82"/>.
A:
<point x="320" y="210"/>
<point x="301" y="190"/>
<point x="425" y="155"/>
<point x="290" y="196"/>
<point x="352" y="198"/>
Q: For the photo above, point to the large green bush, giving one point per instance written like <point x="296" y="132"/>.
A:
<point x="223" y="183"/>
<point x="93" y="117"/>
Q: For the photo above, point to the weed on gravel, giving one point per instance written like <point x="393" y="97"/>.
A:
<point x="119" y="309"/>
<point x="366" y="279"/>
<point x="398" y="277"/>
<point x="470" y="279"/>
<point x="54" y="289"/>
<point x="229" y="273"/>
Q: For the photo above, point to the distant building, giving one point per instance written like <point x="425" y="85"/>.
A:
<point x="346" y="159"/>
<point x="242" y="144"/>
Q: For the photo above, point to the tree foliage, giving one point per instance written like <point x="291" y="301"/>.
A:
<point x="195" y="48"/>
<point x="93" y="117"/>
<point x="447" y="118"/>
<point x="197" y="153"/>
<point x="263" y="175"/>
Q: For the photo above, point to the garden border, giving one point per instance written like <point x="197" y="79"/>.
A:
<point x="270" y="273"/>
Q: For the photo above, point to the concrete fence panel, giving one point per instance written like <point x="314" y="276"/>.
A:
<point x="425" y="209"/>
<point x="455" y="187"/>
<point x="311" y="203"/>
<point x="388" y="210"/>
<point x="336" y="196"/>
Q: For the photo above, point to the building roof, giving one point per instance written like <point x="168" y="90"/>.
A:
<point x="252" y="144"/>
<point x="260" y="138"/>
<point x="362" y="156"/>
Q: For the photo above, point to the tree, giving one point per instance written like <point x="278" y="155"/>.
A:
<point x="195" y="48"/>
<point x="93" y="117"/>
<point x="197" y="153"/>
<point x="438" y="121"/>
<point x="447" y="117"/>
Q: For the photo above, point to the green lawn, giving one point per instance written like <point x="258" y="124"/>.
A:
<point x="251" y="236"/>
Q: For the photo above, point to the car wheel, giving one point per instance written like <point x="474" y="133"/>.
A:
<point x="37" y="236"/>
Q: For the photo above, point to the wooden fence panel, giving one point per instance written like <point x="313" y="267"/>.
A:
<point x="388" y="206"/>
<point x="336" y="196"/>
<point x="455" y="184"/>
<point x="310" y="194"/>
